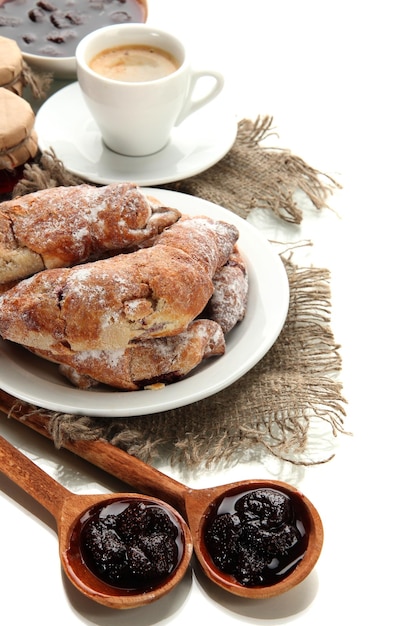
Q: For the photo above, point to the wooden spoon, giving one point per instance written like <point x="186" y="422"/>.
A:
<point x="195" y="505"/>
<point x="68" y="509"/>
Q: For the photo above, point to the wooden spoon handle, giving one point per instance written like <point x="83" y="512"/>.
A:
<point x="27" y="475"/>
<point x="113" y="460"/>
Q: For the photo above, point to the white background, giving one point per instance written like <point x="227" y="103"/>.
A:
<point x="338" y="78"/>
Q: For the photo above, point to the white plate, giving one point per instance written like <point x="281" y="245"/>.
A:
<point x="29" y="378"/>
<point x="64" y="123"/>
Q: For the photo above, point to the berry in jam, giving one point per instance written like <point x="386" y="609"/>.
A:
<point x="130" y="544"/>
<point x="257" y="537"/>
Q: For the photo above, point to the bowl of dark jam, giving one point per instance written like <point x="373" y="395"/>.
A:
<point x="48" y="31"/>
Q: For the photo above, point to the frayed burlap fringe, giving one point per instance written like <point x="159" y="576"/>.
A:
<point x="38" y="84"/>
<point x="253" y="176"/>
<point x="48" y="172"/>
<point x="270" y="409"/>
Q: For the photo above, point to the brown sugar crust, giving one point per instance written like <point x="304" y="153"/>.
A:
<point x="110" y="303"/>
<point x="145" y="363"/>
<point x="65" y="226"/>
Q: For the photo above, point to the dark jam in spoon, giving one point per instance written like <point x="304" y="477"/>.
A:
<point x="258" y="537"/>
<point x="130" y="544"/>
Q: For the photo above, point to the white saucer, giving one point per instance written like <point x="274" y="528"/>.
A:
<point x="38" y="382"/>
<point x="64" y="123"/>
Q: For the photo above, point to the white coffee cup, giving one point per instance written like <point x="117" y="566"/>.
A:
<point x="136" y="118"/>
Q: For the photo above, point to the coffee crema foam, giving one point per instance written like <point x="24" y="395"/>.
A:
<point x="134" y="63"/>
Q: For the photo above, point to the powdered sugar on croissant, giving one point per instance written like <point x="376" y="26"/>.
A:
<point x="110" y="303"/>
<point x="162" y="360"/>
<point x="65" y="226"/>
<point x="228" y="303"/>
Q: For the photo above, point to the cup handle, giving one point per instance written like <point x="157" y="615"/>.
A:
<point x="191" y="105"/>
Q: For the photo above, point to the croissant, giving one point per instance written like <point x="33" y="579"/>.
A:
<point x="145" y="363"/>
<point x="110" y="303"/>
<point x="65" y="226"/>
<point x="228" y="304"/>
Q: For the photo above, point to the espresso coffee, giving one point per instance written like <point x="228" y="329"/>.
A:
<point x="137" y="118"/>
<point x="134" y="63"/>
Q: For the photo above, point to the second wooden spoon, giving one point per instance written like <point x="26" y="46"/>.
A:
<point x="196" y="505"/>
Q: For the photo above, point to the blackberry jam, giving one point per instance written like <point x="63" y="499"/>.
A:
<point x="131" y="544"/>
<point x="257" y="537"/>
<point x="8" y="180"/>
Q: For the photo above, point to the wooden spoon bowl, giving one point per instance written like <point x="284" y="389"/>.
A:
<point x="208" y="500"/>
<point x="70" y="510"/>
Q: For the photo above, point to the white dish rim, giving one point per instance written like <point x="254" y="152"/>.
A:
<point x="38" y="382"/>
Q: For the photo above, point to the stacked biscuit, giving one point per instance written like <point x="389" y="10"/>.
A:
<point x="158" y="298"/>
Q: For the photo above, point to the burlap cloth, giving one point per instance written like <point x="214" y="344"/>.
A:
<point x="276" y="408"/>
